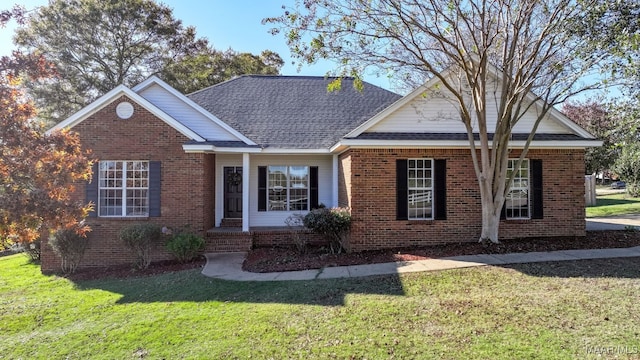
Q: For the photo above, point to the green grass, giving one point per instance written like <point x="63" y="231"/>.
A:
<point x="614" y="204"/>
<point x="561" y="310"/>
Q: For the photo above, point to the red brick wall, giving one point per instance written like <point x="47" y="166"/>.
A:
<point x="187" y="196"/>
<point x="272" y="238"/>
<point x="344" y="180"/>
<point x="373" y="199"/>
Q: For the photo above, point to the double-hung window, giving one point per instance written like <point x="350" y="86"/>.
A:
<point x="123" y="189"/>
<point x="518" y="200"/>
<point x="288" y="188"/>
<point x="420" y="189"/>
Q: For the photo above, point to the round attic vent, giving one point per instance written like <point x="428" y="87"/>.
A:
<point x="124" y="110"/>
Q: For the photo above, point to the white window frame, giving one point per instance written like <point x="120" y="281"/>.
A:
<point x="123" y="189"/>
<point x="285" y="205"/>
<point x="520" y="183"/>
<point x="423" y="184"/>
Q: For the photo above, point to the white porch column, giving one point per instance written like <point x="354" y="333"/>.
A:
<point x="334" y="181"/>
<point x="245" y="191"/>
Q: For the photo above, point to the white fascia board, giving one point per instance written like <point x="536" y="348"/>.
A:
<point x="208" y="148"/>
<point x="155" y="80"/>
<point x="564" y="120"/>
<point x="195" y="148"/>
<point x="394" y="144"/>
<point x="107" y="98"/>
<point x="395" y="106"/>
<point x="553" y="112"/>
<point x="285" y="151"/>
<point x="90" y="109"/>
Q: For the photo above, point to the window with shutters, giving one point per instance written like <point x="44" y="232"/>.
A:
<point x="518" y="201"/>
<point x="123" y="189"/>
<point x="288" y="188"/>
<point x="420" y="189"/>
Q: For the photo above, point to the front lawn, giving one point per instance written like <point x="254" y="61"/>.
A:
<point x="581" y="309"/>
<point x="614" y="204"/>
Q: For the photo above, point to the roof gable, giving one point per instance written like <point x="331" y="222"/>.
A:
<point x="188" y="112"/>
<point x="429" y="109"/>
<point x="116" y="93"/>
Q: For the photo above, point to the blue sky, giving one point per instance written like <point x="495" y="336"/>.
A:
<point x="227" y="24"/>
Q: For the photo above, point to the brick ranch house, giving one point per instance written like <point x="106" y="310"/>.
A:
<point x="234" y="160"/>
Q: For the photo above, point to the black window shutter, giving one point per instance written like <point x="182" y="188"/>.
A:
<point x="155" y="187"/>
<point x="503" y="212"/>
<point x="262" y="188"/>
<point x="536" y="189"/>
<point x="313" y="187"/>
<point x="402" y="192"/>
<point x="91" y="190"/>
<point x="440" y="190"/>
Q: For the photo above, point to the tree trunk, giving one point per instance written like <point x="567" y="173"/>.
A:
<point x="490" y="222"/>
<point x="491" y="210"/>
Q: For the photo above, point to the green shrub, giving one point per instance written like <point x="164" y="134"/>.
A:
<point x="141" y="238"/>
<point x="185" y="246"/>
<point x="334" y="224"/>
<point x="70" y="245"/>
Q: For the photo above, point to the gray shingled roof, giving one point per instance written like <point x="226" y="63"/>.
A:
<point x="292" y="111"/>
<point x="460" y="136"/>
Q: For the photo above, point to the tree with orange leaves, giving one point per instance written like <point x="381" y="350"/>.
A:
<point x="38" y="171"/>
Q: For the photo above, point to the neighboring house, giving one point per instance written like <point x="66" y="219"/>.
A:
<point x="234" y="160"/>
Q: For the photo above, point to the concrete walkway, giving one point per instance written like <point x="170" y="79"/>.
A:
<point x="613" y="222"/>
<point x="229" y="266"/>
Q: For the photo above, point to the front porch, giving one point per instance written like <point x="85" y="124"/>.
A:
<point x="263" y="190"/>
<point x="234" y="239"/>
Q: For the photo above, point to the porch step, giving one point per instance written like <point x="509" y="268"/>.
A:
<point x="231" y="223"/>
<point x="227" y="241"/>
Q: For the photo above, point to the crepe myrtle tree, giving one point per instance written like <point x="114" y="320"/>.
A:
<point x="466" y="45"/>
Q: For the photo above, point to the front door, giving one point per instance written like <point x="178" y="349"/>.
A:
<point x="233" y="192"/>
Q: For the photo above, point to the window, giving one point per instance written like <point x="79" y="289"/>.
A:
<point x="123" y="188"/>
<point x="288" y="188"/>
<point x="420" y="189"/>
<point x="518" y="202"/>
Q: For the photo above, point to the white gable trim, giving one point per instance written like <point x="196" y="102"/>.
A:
<point x="153" y="80"/>
<point x="112" y="95"/>
<point x="391" y="109"/>
<point x="209" y="148"/>
<point x="564" y="120"/>
<point x="457" y="144"/>
<point x="553" y="113"/>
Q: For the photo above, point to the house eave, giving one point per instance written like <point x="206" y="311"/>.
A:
<point x="155" y="80"/>
<point x="456" y="144"/>
<point x="111" y="96"/>
<point x="294" y="151"/>
<point x="210" y="148"/>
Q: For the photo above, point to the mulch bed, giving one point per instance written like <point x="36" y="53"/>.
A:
<point x="287" y="259"/>
<point x="126" y="271"/>
<point x="284" y="259"/>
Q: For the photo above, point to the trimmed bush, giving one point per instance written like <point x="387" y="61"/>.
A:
<point x="334" y="224"/>
<point x="185" y="246"/>
<point x="70" y="245"/>
<point x="141" y="238"/>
